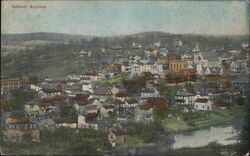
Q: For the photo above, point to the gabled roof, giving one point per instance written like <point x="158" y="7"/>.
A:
<point x="65" y="120"/>
<point x="102" y="90"/>
<point x="91" y="115"/>
<point x="122" y="94"/>
<point x="17" y="118"/>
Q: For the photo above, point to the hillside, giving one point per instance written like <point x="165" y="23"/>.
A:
<point x="53" y="54"/>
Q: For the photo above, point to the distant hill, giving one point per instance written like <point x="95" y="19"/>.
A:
<point x="57" y="37"/>
<point x="145" y="36"/>
<point x="46" y="54"/>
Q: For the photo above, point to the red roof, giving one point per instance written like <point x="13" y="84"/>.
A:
<point x="157" y="103"/>
<point x="49" y="90"/>
<point x="201" y="100"/>
<point x="17" y="118"/>
<point x="65" y="120"/>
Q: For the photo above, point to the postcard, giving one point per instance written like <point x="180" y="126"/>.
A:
<point x="120" y="77"/>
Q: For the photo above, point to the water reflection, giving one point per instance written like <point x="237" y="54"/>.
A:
<point x="221" y="135"/>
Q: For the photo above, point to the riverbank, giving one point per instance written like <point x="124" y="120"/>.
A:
<point x="176" y="122"/>
<point x="181" y="122"/>
<point x="219" y="140"/>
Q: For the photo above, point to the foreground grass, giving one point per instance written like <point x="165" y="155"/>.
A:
<point x="62" y="141"/>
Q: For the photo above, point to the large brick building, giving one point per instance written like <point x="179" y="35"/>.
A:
<point x="175" y="63"/>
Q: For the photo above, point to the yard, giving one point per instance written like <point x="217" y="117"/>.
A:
<point x="113" y="80"/>
<point x="168" y="90"/>
<point x="196" y="120"/>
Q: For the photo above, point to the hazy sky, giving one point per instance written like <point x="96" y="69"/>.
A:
<point x="106" y="18"/>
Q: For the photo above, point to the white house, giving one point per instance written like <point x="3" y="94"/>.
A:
<point x="140" y="68"/>
<point x="131" y="103"/>
<point x="66" y="122"/>
<point x="107" y="110"/>
<point x="35" y="87"/>
<point x="149" y="92"/>
<point x="83" y="122"/>
<point x="185" y="98"/>
<point x="87" y="87"/>
<point x="92" y="75"/>
<point x="122" y="96"/>
<point x="144" y="115"/>
<point x="48" y="92"/>
<point x="202" y="104"/>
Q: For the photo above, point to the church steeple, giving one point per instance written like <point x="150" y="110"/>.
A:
<point x="196" y="49"/>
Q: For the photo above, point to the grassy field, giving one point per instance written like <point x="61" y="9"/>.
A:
<point x="168" y="90"/>
<point x="132" y="141"/>
<point x="219" y="116"/>
<point x="175" y="125"/>
<point x="197" y="120"/>
<point x="113" y="80"/>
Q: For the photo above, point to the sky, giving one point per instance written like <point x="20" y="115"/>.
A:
<point x="109" y="18"/>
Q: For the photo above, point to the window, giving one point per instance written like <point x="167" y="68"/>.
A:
<point x="202" y="106"/>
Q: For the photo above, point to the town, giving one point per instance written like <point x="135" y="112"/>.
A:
<point x="137" y="93"/>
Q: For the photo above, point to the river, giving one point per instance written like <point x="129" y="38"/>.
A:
<point x="224" y="135"/>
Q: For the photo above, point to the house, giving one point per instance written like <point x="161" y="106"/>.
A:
<point x="185" y="97"/>
<point x="131" y="103"/>
<point x="177" y="64"/>
<point x="151" y="52"/>
<point x="48" y="92"/>
<point x="87" y="105"/>
<point x="122" y="96"/>
<point x="47" y="124"/>
<point x="36" y="87"/>
<point x="149" y="92"/>
<point x="87" y="87"/>
<point x="239" y="66"/>
<point x="19" y="128"/>
<point x="102" y="92"/>
<point x="38" y="110"/>
<point x="203" y="104"/>
<point x="88" y="121"/>
<point x="9" y="84"/>
<point x="125" y="68"/>
<point x="92" y="75"/>
<point x="107" y="110"/>
<point x="143" y="114"/>
<point x="66" y="122"/>
<point x="137" y="69"/>
<point x="116" y="137"/>
<point x="85" y="80"/>
<point x="28" y="80"/>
